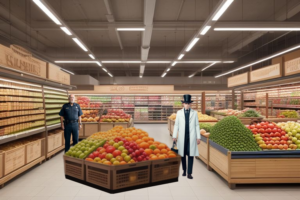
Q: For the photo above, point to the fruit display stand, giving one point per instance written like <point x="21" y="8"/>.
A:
<point x="281" y="119"/>
<point x="250" y="120"/>
<point x="55" y="142"/>
<point x="254" y="167"/>
<point x="203" y="149"/>
<point x="217" y="115"/>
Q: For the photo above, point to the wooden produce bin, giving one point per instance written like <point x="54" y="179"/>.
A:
<point x="105" y="126"/>
<point x="255" y="167"/>
<point x="118" y="177"/>
<point x="90" y="128"/>
<point x="165" y="169"/>
<point x="276" y="120"/>
<point x="55" y="143"/>
<point x="250" y="120"/>
<point x="74" y="167"/>
<point x="16" y="161"/>
<point x="203" y="149"/>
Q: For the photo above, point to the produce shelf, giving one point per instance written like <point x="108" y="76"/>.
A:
<point x="52" y="127"/>
<point x="16" y="136"/>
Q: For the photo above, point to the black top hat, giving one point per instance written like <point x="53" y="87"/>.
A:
<point x="187" y="98"/>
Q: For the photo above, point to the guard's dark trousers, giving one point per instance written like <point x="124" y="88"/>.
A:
<point x="71" y="129"/>
<point x="190" y="163"/>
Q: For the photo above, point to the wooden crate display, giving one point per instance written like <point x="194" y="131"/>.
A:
<point x="35" y="150"/>
<point x="105" y="126"/>
<point x="249" y="120"/>
<point x="90" y="128"/>
<point x="165" y="169"/>
<point x="203" y="149"/>
<point x="118" y="177"/>
<point x="74" y="167"/>
<point x="55" y="141"/>
<point x="13" y="159"/>
<point x="255" y="167"/>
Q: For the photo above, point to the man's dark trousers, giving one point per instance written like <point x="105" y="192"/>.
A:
<point x="71" y="129"/>
<point x="187" y="145"/>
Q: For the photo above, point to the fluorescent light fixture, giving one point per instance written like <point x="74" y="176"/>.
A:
<point x="130" y="29"/>
<point x="228" y="61"/>
<point x="74" y="61"/>
<point x="98" y="63"/>
<point x="174" y="63"/>
<point x="181" y="56"/>
<point x="168" y="69"/>
<point x="222" y="10"/>
<point x="208" y="66"/>
<point x="259" y="61"/>
<point x="66" y="71"/>
<point x="164" y="74"/>
<point x="256" y="29"/>
<point x="118" y="61"/>
<point x="190" y="46"/>
<point x="47" y="11"/>
<point x="204" y="31"/>
<point x="110" y="75"/>
<point x="80" y="44"/>
<point x="190" y="76"/>
<point x="202" y="61"/>
<point x="11" y="81"/>
<point x="104" y="69"/>
<point x="141" y="76"/>
<point x="66" y="30"/>
<point x="91" y="55"/>
<point x="154" y="62"/>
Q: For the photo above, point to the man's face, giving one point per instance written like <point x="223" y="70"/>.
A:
<point x="71" y="98"/>
<point x="187" y="105"/>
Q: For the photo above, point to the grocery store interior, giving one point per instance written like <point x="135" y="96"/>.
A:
<point x="129" y="63"/>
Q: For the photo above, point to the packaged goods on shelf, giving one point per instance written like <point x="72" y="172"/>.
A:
<point x="56" y="101"/>
<point x="14" y="120"/>
<point x="16" y="92"/>
<point x="20" y="112"/>
<point x="19" y="106"/>
<point x="15" y="144"/>
<point x="53" y="105"/>
<point x="52" y="111"/>
<point x="9" y="84"/>
<point x="52" y="122"/>
<point x="14" y="98"/>
<point x="54" y="96"/>
<point x="19" y="127"/>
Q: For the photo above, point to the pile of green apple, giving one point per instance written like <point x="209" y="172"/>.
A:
<point x="293" y="131"/>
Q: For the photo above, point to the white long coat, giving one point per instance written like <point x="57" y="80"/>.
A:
<point x="179" y="128"/>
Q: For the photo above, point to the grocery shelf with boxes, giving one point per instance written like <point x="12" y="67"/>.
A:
<point x="120" y="160"/>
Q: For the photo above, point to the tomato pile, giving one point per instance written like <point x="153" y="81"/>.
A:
<point x="270" y="136"/>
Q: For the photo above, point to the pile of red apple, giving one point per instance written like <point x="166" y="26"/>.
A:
<point x="115" y="115"/>
<point x="83" y="101"/>
<point x="270" y="136"/>
<point x="118" y="152"/>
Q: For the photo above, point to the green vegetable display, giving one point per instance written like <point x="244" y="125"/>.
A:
<point x="84" y="148"/>
<point x="206" y="126"/>
<point x="233" y="135"/>
<point x="290" y="114"/>
<point x="249" y="113"/>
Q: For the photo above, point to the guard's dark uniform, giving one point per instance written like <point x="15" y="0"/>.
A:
<point x="187" y="144"/>
<point x="70" y="114"/>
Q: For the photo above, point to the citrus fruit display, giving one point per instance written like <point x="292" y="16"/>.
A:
<point x="125" y="146"/>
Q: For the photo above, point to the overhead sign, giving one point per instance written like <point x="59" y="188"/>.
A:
<point x="21" y="60"/>
<point x="266" y="73"/>
<point x="240" y="79"/>
<point x="292" y="67"/>
<point x="55" y="74"/>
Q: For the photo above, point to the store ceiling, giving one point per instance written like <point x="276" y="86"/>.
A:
<point x="174" y="24"/>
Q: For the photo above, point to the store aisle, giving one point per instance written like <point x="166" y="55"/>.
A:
<point x="47" y="182"/>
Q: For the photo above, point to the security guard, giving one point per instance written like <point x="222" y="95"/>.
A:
<point x="70" y="117"/>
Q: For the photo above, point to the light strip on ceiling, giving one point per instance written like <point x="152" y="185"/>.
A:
<point x="222" y="10"/>
<point x="98" y="63"/>
<point x="174" y="63"/>
<point x="208" y="66"/>
<point x="259" y="61"/>
<point x="47" y="11"/>
<point x="168" y="69"/>
<point x="74" y="61"/>
<point x="204" y="31"/>
<point x="80" y="44"/>
<point x="155" y="62"/>
<point x="164" y="74"/>
<point x="190" y="76"/>
<point x="181" y="56"/>
<point x="141" y="76"/>
<point x="92" y="57"/>
<point x="66" y="71"/>
<point x="190" y="46"/>
<point x="130" y="29"/>
<point x="104" y="69"/>
<point x="256" y="29"/>
<point x="110" y="75"/>
<point x="66" y="30"/>
<point x="117" y="61"/>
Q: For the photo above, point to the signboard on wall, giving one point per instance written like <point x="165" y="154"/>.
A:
<point x="292" y="67"/>
<point x="266" y="73"/>
<point x="240" y="79"/>
<point x="55" y="74"/>
<point x="134" y="89"/>
<point x="21" y="60"/>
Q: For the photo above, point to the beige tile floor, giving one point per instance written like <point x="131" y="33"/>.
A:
<point x="47" y="182"/>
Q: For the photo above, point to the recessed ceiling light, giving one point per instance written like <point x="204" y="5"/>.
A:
<point x="181" y="56"/>
<point x="204" y="31"/>
<point x="130" y="29"/>
<point x="222" y="10"/>
<point x="91" y="55"/>
<point x="47" y="11"/>
<point x="80" y="44"/>
<point x="66" y="30"/>
<point x="190" y="46"/>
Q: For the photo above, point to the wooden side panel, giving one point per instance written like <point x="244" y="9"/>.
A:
<point x="124" y="125"/>
<point x="1" y="164"/>
<point x="243" y="168"/>
<point x="218" y="159"/>
<point x="202" y="147"/>
<point x="106" y="126"/>
<point x="58" y="140"/>
<point x="33" y="151"/>
<point x="14" y="159"/>
<point x="81" y="131"/>
<point x="90" y="129"/>
<point x="50" y="143"/>
<point x="273" y="168"/>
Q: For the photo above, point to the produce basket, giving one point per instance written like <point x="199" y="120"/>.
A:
<point x="165" y="169"/>
<point x="74" y="167"/>
<point x="203" y="149"/>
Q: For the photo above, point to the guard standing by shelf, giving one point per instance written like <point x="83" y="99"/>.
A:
<point x="70" y="117"/>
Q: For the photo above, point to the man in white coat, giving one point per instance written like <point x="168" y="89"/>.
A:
<point x="188" y="131"/>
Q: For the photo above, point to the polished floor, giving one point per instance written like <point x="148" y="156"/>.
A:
<point x="47" y="182"/>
